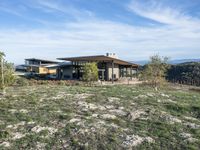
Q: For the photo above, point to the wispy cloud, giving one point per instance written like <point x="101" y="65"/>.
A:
<point x="52" y="6"/>
<point x="98" y="37"/>
<point x="157" y="11"/>
<point x="87" y="34"/>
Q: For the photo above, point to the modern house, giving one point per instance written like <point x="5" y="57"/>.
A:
<point x="40" y="66"/>
<point x="110" y="67"/>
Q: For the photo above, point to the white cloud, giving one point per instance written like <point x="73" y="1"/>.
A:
<point x="157" y="11"/>
<point x="90" y="36"/>
<point x="99" y="37"/>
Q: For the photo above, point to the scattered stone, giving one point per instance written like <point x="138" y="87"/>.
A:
<point x="82" y="96"/>
<point x="108" y="116"/>
<point x="141" y="96"/>
<point x="75" y="120"/>
<point x="12" y="110"/>
<point x="112" y="99"/>
<point x="150" y="94"/>
<point x="191" y="140"/>
<point x="1" y="122"/>
<point x="5" y="144"/>
<point x="110" y="106"/>
<point x="38" y="129"/>
<point x="149" y="140"/>
<point x="166" y="101"/>
<point x="191" y="118"/>
<point x="31" y="122"/>
<point x="134" y="140"/>
<point x="15" y="126"/>
<point x="170" y="119"/>
<point x="192" y="125"/>
<point x="40" y="145"/>
<point x="136" y="114"/>
<point x="23" y="111"/>
<point x="133" y="104"/>
<point x="185" y="135"/>
<point x="87" y="105"/>
<point x="18" y="135"/>
<point x="95" y="115"/>
<point x="118" y="112"/>
<point x="164" y="95"/>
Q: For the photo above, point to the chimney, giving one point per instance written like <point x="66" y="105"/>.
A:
<point x="113" y="55"/>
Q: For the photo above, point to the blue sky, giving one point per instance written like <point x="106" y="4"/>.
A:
<point x="134" y="29"/>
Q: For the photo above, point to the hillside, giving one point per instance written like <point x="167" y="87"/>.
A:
<point x="186" y="73"/>
<point x="114" y="117"/>
<point x="173" y="62"/>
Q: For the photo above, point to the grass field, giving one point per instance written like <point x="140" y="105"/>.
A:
<point x="109" y="117"/>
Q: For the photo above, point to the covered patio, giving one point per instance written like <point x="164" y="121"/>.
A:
<point x="110" y="69"/>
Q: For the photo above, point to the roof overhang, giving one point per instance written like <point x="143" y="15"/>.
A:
<point x="99" y="58"/>
<point x="42" y="60"/>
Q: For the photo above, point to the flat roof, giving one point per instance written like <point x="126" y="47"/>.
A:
<point x="99" y="58"/>
<point x="42" y="60"/>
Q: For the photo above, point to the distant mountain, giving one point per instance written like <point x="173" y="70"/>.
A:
<point x="180" y="61"/>
<point x="174" y="62"/>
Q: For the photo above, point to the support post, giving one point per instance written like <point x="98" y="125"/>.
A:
<point x="131" y="73"/>
<point x="2" y="75"/>
<point x="112" y="72"/>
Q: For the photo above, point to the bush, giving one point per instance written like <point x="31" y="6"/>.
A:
<point x="22" y="81"/>
<point x="90" y="72"/>
<point x="154" y="72"/>
<point x="8" y="71"/>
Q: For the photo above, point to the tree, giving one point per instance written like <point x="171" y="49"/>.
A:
<point x="90" y="72"/>
<point x="154" y="72"/>
<point x="7" y="70"/>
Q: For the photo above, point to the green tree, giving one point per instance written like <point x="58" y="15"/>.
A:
<point x="154" y="72"/>
<point x="90" y="72"/>
<point x="7" y="70"/>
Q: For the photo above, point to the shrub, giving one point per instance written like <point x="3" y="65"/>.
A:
<point x="7" y="70"/>
<point x="90" y="72"/>
<point x="154" y="72"/>
<point x="22" y="81"/>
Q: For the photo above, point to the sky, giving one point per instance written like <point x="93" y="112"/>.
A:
<point x="133" y="29"/>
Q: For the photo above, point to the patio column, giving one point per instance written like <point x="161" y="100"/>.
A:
<point x="112" y="71"/>
<point x="131" y="73"/>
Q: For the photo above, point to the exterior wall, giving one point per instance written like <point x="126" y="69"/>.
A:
<point x="43" y="70"/>
<point x="67" y="73"/>
<point x="115" y="71"/>
<point x="52" y="71"/>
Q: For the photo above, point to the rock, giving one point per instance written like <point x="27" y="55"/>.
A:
<point x="164" y="95"/>
<point x="134" y="140"/>
<point x="95" y="115"/>
<point x="150" y="94"/>
<point x="75" y="120"/>
<point x="23" y="111"/>
<point x="111" y="99"/>
<point x="192" y="125"/>
<point x="118" y="112"/>
<point x="18" y="135"/>
<point x="5" y="144"/>
<point x="108" y="116"/>
<point x="171" y="119"/>
<point x="185" y="135"/>
<point x="82" y="96"/>
<point x="109" y="106"/>
<point x="191" y="118"/>
<point x="140" y="96"/>
<point x="136" y="114"/>
<point x="38" y="129"/>
<point x="191" y="140"/>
